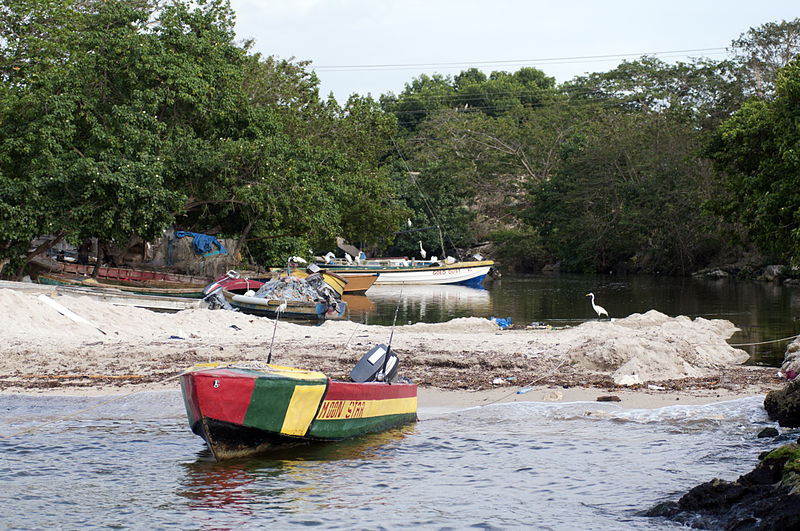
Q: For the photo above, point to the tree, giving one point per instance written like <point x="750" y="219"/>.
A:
<point x="763" y="51"/>
<point x="159" y="118"/>
<point x="756" y="151"/>
<point x="626" y="195"/>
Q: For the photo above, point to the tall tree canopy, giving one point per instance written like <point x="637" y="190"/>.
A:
<point x="757" y="150"/>
<point x="120" y="118"/>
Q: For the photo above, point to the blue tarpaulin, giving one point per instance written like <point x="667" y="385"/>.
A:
<point x="202" y="242"/>
<point x="502" y="323"/>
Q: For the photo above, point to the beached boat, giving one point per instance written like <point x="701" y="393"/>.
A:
<point x="121" y="273"/>
<point x="248" y="408"/>
<point x="288" y="309"/>
<point x="353" y="284"/>
<point x="402" y="271"/>
<point x="310" y="297"/>
<point x="139" y="287"/>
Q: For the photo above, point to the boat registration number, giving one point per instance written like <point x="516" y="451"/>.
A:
<point x="440" y="272"/>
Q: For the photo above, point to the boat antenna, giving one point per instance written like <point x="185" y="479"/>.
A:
<point x="278" y="311"/>
<point x="391" y="335"/>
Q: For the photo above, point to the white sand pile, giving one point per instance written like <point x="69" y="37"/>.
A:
<point x="639" y="348"/>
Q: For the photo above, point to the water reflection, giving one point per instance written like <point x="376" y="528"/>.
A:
<point x="762" y="311"/>
<point x="283" y="477"/>
<point x="428" y="304"/>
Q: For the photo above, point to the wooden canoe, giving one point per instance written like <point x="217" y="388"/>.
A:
<point x="125" y="273"/>
<point x="149" y="287"/>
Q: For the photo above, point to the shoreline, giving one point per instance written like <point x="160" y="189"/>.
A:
<point x="645" y="360"/>
<point x="432" y="398"/>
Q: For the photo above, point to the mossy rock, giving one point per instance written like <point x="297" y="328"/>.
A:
<point x="768" y="497"/>
<point x="786" y="459"/>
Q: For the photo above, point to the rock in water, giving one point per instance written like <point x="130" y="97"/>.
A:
<point x="768" y="432"/>
<point x="784" y="405"/>
<point x="766" y="498"/>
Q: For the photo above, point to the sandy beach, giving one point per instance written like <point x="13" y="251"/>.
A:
<point x="641" y="361"/>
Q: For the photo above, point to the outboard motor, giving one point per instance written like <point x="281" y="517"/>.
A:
<point x="212" y="293"/>
<point x="370" y="368"/>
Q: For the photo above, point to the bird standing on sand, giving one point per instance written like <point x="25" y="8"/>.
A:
<point x="599" y="309"/>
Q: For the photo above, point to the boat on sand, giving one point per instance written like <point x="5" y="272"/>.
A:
<point x="161" y="288"/>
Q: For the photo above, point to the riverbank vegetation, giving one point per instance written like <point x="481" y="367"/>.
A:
<point x="119" y="119"/>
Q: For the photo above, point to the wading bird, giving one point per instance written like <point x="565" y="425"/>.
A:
<point x="422" y="252"/>
<point x="599" y="309"/>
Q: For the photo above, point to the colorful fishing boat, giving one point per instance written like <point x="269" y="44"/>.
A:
<point x="159" y="288"/>
<point x="243" y="409"/>
<point x="402" y="271"/>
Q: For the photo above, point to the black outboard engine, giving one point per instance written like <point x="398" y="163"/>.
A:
<point x="370" y="368"/>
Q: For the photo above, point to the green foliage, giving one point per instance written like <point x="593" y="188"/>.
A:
<point x="627" y="195"/>
<point x="704" y="92"/>
<point x="120" y="118"/>
<point x="522" y="247"/>
<point x="757" y="150"/>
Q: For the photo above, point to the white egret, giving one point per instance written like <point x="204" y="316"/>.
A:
<point x="422" y="252"/>
<point x="278" y="311"/>
<point x="599" y="309"/>
<point x="409" y="223"/>
<point x="348" y="258"/>
<point x="281" y="307"/>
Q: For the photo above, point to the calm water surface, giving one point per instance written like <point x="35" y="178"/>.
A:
<point x="133" y="463"/>
<point x="763" y="311"/>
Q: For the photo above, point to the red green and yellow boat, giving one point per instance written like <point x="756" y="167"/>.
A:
<point x="247" y="408"/>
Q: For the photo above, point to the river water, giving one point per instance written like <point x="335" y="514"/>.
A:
<point x="133" y="463"/>
<point x="764" y="312"/>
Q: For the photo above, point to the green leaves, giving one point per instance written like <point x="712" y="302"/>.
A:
<point x="757" y="151"/>
<point x="151" y="115"/>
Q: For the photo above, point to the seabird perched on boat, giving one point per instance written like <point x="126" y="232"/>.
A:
<point x="422" y="252"/>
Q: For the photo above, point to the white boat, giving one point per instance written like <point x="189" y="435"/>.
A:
<point x="401" y="271"/>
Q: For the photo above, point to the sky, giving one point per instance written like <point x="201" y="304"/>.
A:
<point x="377" y="46"/>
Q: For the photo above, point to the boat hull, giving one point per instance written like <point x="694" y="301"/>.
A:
<point x="294" y="309"/>
<point x="150" y="287"/>
<point x="125" y="273"/>
<point x="240" y="411"/>
<point x="464" y="273"/>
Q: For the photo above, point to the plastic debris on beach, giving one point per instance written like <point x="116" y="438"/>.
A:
<point x="502" y="323"/>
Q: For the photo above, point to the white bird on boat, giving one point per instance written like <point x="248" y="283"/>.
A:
<point x="599" y="309"/>
<point x="348" y="258"/>
<point x="422" y="252"/>
<point x="281" y="307"/>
